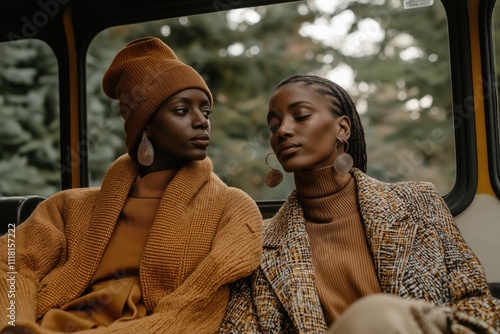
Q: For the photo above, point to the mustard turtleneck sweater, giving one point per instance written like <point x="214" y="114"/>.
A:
<point x="341" y="257"/>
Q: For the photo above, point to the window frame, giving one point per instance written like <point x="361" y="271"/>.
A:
<point x="490" y="93"/>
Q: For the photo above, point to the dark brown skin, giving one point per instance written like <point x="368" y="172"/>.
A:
<point x="304" y="131"/>
<point x="179" y="130"/>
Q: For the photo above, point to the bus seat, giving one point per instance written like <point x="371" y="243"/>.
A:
<point x="495" y="289"/>
<point x="15" y="209"/>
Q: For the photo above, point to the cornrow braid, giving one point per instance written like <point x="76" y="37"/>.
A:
<point x="357" y="144"/>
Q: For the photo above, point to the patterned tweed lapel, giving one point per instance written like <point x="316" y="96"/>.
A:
<point x="287" y="264"/>
<point x="389" y="226"/>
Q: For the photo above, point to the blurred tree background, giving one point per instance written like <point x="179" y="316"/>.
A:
<point x="29" y="113"/>
<point x="393" y="61"/>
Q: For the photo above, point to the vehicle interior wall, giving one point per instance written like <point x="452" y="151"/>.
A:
<point x="479" y="223"/>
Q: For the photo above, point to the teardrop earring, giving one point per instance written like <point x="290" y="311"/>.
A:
<point x="343" y="162"/>
<point x="145" y="151"/>
<point x="274" y="176"/>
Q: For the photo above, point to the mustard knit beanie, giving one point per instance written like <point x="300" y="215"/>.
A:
<point x="144" y="74"/>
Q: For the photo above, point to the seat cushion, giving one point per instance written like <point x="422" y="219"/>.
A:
<point x="16" y="209"/>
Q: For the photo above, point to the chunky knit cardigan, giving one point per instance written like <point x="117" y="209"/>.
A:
<point x="417" y="252"/>
<point x="205" y="236"/>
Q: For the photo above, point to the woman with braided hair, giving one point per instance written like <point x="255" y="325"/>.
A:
<point x="347" y="253"/>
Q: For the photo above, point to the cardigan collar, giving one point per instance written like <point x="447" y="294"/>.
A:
<point x="86" y="254"/>
<point x="113" y="193"/>
<point x="115" y="187"/>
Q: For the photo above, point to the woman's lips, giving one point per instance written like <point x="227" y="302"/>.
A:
<point x="287" y="149"/>
<point x="201" y="141"/>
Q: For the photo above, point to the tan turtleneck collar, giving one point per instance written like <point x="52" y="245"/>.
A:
<point x="326" y="194"/>
<point x="341" y="258"/>
<point x="152" y="185"/>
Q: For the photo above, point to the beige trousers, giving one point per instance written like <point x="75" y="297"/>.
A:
<point x="387" y="314"/>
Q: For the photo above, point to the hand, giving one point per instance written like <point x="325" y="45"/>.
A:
<point x="384" y="313"/>
<point x="18" y="329"/>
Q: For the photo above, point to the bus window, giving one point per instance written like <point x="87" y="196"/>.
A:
<point x="29" y="110"/>
<point x="394" y="61"/>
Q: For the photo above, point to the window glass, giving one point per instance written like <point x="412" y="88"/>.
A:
<point x="29" y="113"/>
<point x="393" y="61"/>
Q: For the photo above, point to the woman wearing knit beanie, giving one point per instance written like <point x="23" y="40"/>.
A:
<point x="347" y="253"/>
<point x="154" y="249"/>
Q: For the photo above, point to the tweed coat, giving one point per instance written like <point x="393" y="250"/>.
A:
<point x="417" y="252"/>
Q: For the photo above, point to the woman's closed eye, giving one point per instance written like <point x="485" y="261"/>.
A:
<point x="302" y="118"/>
<point x="274" y="126"/>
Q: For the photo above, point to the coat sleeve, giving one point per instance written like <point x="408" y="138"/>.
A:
<point x="28" y="254"/>
<point x="470" y="300"/>
<point x="241" y="315"/>
<point x="199" y="303"/>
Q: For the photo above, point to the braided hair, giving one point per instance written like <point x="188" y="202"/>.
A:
<point x="341" y="105"/>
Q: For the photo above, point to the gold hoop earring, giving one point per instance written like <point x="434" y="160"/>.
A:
<point x="274" y="176"/>
<point x="343" y="162"/>
<point x="145" y="151"/>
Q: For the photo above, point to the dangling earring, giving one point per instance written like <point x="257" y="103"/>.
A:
<point x="145" y="151"/>
<point x="274" y="177"/>
<point x="343" y="162"/>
